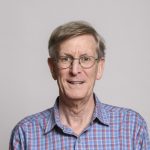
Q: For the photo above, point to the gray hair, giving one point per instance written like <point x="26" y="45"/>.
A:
<point x="70" y="30"/>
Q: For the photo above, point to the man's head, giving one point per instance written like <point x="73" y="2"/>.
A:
<point x="70" y="30"/>
<point x="76" y="59"/>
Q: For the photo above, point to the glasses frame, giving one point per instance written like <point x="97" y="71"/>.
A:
<point x="72" y="60"/>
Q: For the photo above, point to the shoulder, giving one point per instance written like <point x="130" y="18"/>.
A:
<point x="125" y="116"/>
<point x="128" y="124"/>
<point x="29" y="128"/>
<point x="36" y="120"/>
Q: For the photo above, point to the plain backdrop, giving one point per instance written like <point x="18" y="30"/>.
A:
<point x="26" y="85"/>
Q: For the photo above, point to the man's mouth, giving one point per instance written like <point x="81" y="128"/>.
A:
<point x="76" y="82"/>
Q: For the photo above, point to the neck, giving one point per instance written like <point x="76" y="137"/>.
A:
<point x="76" y="114"/>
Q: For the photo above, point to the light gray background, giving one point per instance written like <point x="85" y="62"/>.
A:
<point x="26" y="86"/>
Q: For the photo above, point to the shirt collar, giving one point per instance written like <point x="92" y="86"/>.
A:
<point x="54" y="119"/>
<point x="100" y="112"/>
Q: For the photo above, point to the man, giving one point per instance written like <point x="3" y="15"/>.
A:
<point x="78" y="120"/>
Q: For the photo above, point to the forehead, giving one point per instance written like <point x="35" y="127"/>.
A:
<point x="84" y="44"/>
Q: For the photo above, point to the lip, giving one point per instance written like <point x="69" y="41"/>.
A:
<point x="75" y="82"/>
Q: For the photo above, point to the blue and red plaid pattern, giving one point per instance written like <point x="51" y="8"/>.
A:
<point x="111" y="128"/>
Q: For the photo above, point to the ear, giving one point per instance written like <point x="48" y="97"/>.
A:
<point x="100" y="68"/>
<point x="52" y="67"/>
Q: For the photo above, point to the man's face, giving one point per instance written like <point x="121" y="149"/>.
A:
<point x="76" y="82"/>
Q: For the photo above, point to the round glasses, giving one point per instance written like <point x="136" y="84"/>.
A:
<point x="85" y="61"/>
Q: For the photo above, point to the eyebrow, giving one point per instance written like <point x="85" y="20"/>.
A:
<point x="66" y="54"/>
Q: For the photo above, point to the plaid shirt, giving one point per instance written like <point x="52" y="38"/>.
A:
<point x="111" y="128"/>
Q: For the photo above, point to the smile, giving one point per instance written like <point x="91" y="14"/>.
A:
<point x="76" y="82"/>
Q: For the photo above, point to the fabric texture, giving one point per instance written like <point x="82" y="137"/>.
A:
<point x="111" y="128"/>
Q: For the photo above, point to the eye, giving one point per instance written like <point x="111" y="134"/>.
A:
<point x="85" y="59"/>
<point x="65" y="59"/>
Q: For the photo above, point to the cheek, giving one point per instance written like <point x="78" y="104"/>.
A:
<point x="91" y="75"/>
<point x="61" y="78"/>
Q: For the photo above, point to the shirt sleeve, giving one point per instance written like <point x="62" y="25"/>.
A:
<point x="142" y="141"/>
<point x="17" y="139"/>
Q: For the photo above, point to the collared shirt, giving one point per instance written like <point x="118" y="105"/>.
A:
<point x="111" y="128"/>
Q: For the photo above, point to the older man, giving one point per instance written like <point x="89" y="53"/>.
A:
<point x="78" y="120"/>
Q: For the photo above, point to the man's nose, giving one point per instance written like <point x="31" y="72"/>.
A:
<point x="75" y="67"/>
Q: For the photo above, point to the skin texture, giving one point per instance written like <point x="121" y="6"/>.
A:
<point x="76" y="84"/>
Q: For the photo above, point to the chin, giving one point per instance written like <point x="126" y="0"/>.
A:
<point x="76" y="95"/>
